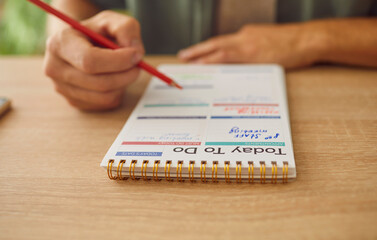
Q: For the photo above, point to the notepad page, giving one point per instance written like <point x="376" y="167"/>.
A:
<point x="225" y="113"/>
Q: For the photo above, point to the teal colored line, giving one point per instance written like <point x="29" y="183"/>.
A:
<point x="246" y="143"/>
<point x="177" y="105"/>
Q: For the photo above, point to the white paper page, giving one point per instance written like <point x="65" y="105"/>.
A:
<point x="235" y="113"/>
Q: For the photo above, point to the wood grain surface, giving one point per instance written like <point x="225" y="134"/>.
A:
<point x="51" y="185"/>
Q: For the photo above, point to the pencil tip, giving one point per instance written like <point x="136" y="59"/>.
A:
<point x="174" y="84"/>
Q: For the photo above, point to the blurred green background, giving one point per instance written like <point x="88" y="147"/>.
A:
<point x="22" y="28"/>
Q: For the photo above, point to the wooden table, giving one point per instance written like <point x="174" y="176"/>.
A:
<point x="51" y="185"/>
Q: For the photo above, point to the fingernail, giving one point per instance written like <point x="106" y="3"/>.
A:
<point x="135" y="42"/>
<point x="137" y="57"/>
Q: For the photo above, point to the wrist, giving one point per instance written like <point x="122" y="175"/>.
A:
<point x="313" y="41"/>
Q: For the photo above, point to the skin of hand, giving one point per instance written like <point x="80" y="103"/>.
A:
<point x="350" y="41"/>
<point x="91" y="77"/>
<point x="253" y="44"/>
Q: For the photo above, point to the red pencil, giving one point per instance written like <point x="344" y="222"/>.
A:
<point x="99" y="39"/>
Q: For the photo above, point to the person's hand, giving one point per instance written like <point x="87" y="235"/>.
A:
<point x="92" y="77"/>
<point x="281" y="44"/>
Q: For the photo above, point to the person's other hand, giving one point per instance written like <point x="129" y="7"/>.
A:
<point x="92" y="77"/>
<point x="281" y="44"/>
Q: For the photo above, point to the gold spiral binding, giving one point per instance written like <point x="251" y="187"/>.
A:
<point x="203" y="171"/>
<point x="285" y="172"/>
<point x="238" y="172"/>
<point x="251" y="172"/>
<point x="155" y="170"/>
<point x="262" y="172"/>
<point x="132" y="169"/>
<point x="120" y="169"/>
<point x="214" y="171"/>
<point x="191" y="171"/>
<point x="144" y="170"/>
<point x="203" y="178"/>
<point x="167" y="167"/>
<point x="179" y="171"/>
<point x="110" y="169"/>
<point x="226" y="171"/>
<point x="274" y="172"/>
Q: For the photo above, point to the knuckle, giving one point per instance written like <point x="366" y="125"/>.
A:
<point x="58" y="89"/>
<point x="214" y="43"/>
<point x="49" y="70"/>
<point x="131" y="24"/>
<point x="73" y="103"/>
<point x="54" y="41"/>
<point x="110" y="100"/>
<point x="103" y="85"/>
<point x="223" y="55"/>
<point x="107" y="99"/>
<point x="105" y="13"/>
<point x="120" y="27"/>
<point x="131" y="77"/>
<point x="51" y="43"/>
<point x="64" y="35"/>
<point x="86" y="62"/>
<point x="115" y="103"/>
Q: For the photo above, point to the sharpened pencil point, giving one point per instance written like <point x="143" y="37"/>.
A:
<point x="174" y="84"/>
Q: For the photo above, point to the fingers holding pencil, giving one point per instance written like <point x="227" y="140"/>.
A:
<point x="123" y="29"/>
<point x="91" y="77"/>
<point x="77" y="50"/>
<point x="91" y="60"/>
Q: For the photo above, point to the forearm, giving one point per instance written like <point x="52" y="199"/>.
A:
<point x="77" y="9"/>
<point x="345" y="41"/>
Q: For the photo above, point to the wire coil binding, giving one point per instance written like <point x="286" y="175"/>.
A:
<point x="238" y="172"/>
<point x="262" y="172"/>
<point x="203" y="171"/>
<point x="132" y="169"/>
<point x="191" y="167"/>
<point x="214" y="171"/>
<point x="120" y="170"/>
<point x="191" y="170"/>
<point x="274" y="172"/>
<point x="251" y="171"/>
<point x="110" y="169"/>
<point x="179" y="170"/>
<point x="144" y="170"/>
<point x="167" y="168"/>
<point x="226" y="171"/>
<point x="155" y="170"/>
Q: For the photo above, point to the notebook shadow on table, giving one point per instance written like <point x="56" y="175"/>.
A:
<point x="197" y="185"/>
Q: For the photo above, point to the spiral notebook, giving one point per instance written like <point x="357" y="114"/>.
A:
<point x="229" y="123"/>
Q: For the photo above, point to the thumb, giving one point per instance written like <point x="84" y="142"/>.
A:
<point x="123" y="29"/>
